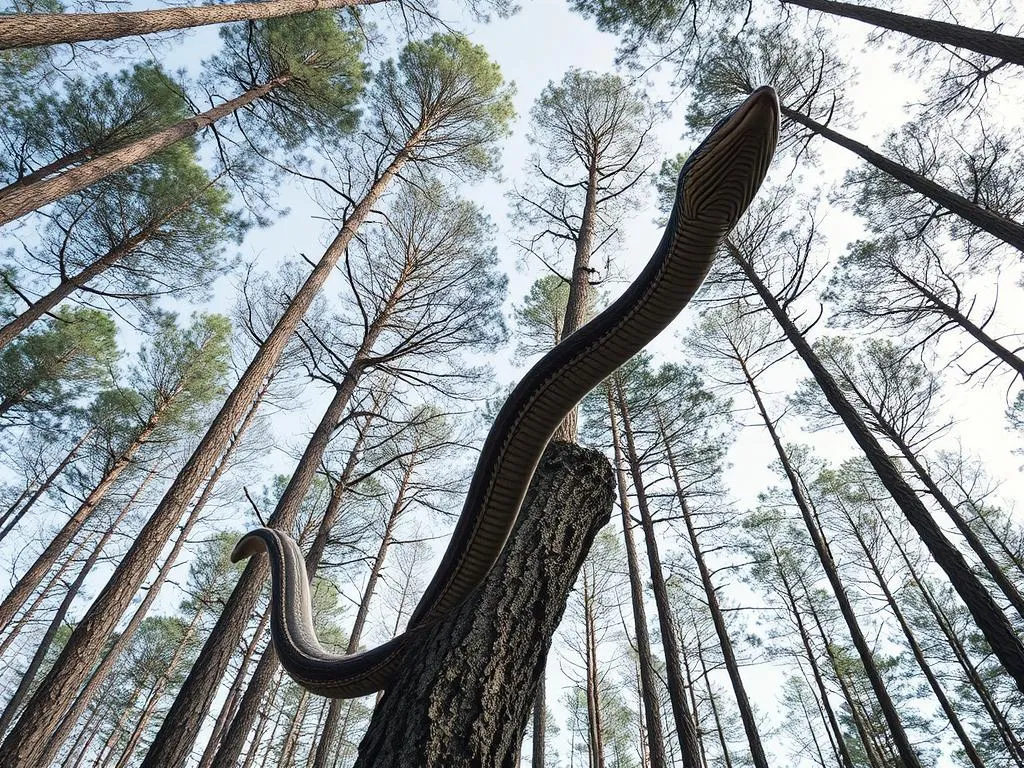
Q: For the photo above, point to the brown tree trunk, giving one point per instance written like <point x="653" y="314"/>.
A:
<point x="990" y="619"/>
<point x="1005" y="47"/>
<point x="29" y="29"/>
<point x="726" y="758"/>
<point x="731" y="664"/>
<point x="241" y="725"/>
<point x="181" y="726"/>
<point x="50" y="168"/>
<point x="805" y="640"/>
<point x="18" y="202"/>
<point x="915" y="648"/>
<point x="579" y="289"/>
<point x="684" y="720"/>
<point x="291" y="738"/>
<point x="997" y="225"/>
<point x="62" y="611"/>
<point x="464" y="694"/>
<point x="171" y="747"/>
<point x="540" y="712"/>
<point x="37" y="571"/>
<point x="69" y="285"/>
<point x="892" y="718"/>
<point x="13" y="518"/>
<point x="595" y="733"/>
<point x="648" y="687"/>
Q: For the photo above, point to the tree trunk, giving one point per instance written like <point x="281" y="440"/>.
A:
<point x="990" y="619"/>
<point x="286" y="760"/>
<point x="1005" y="47"/>
<point x="540" y="717"/>
<point x="648" y="687"/>
<point x="62" y="611"/>
<point x="18" y="202"/>
<point x="732" y="666"/>
<point x="595" y="733"/>
<point x="686" y="728"/>
<point x="178" y="732"/>
<point x="464" y="694"/>
<point x="69" y="285"/>
<point x="181" y="726"/>
<point x="44" y="562"/>
<point x="28" y="29"/>
<point x="892" y="718"/>
<point x="819" y="681"/>
<point x="1014" y="746"/>
<point x="726" y="758"/>
<point x="241" y="726"/>
<point x="915" y="648"/>
<point x="45" y="485"/>
<point x="997" y="225"/>
<point x="579" y="289"/>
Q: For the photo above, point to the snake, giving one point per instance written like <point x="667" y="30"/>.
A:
<point x="715" y="186"/>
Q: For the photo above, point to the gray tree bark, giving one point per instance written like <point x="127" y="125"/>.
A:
<point x="464" y="695"/>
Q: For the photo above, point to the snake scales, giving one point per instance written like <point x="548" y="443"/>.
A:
<point x="715" y="186"/>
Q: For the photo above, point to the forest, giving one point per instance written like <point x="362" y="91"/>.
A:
<point x="279" y="263"/>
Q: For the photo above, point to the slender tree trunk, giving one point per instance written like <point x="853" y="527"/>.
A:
<point x="1005" y="47"/>
<point x="291" y="738"/>
<point x="648" y="688"/>
<point x="579" y="288"/>
<point x="45" y="485"/>
<point x="70" y="284"/>
<point x="915" y="648"/>
<point x="540" y="712"/>
<point x="106" y="665"/>
<point x="37" y="571"/>
<point x="178" y="732"/>
<point x="819" y="681"/>
<point x="29" y="29"/>
<point x="18" y="202"/>
<point x="907" y="754"/>
<point x="731" y="664"/>
<point x="595" y="733"/>
<point x="88" y="733"/>
<point x="997" y="225"/>
<point x="691" y="687"/>
<point x="240" y="727"/>
<point x="1014" y="746"/>
<point x="684" y="719"/>
<point x="726" y="758"/>
<point x="990" y="619"/>
<point x="227" y="712"/>
<point x="1008" y="588"/>
<point x="491" y="650"/>
<point x="62" y="611"/>
<point x="181" y="725"/>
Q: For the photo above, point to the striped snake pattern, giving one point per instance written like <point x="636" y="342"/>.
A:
<point x="715" y="186"/>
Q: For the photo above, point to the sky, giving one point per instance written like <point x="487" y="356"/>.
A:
<point x="539" y="44"/>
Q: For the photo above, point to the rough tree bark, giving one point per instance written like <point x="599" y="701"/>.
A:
<point x="463" y="698"/>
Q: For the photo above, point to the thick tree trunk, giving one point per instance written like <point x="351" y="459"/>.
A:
<point x="648" y="685"/>
<point x="26" y="199"/>
<point x="915" y="648"/>
<point x="464" y="694"/>
<point x="62" y="539"/>
<point x="29" y="29"/>
<point x="997" y="225"/>
<point x="990" y="619"/>
<point x="1005" y="47"/>
<point x="731" y="664"/>
<point x="62" y="610"/>
<point x="12" y="518"/>
<point x="892" y="718"/>
<point x="686" y="728"/>
<point x="178" y="732"/>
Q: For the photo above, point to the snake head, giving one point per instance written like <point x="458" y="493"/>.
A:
<point x="721" y="177"/>
<point x="254" y="542"/>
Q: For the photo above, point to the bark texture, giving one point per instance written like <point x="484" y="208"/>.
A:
<point x="28" y="29"/>
<point x="464" y="695"/>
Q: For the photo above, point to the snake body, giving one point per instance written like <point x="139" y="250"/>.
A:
<point x="716" y="184"/>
